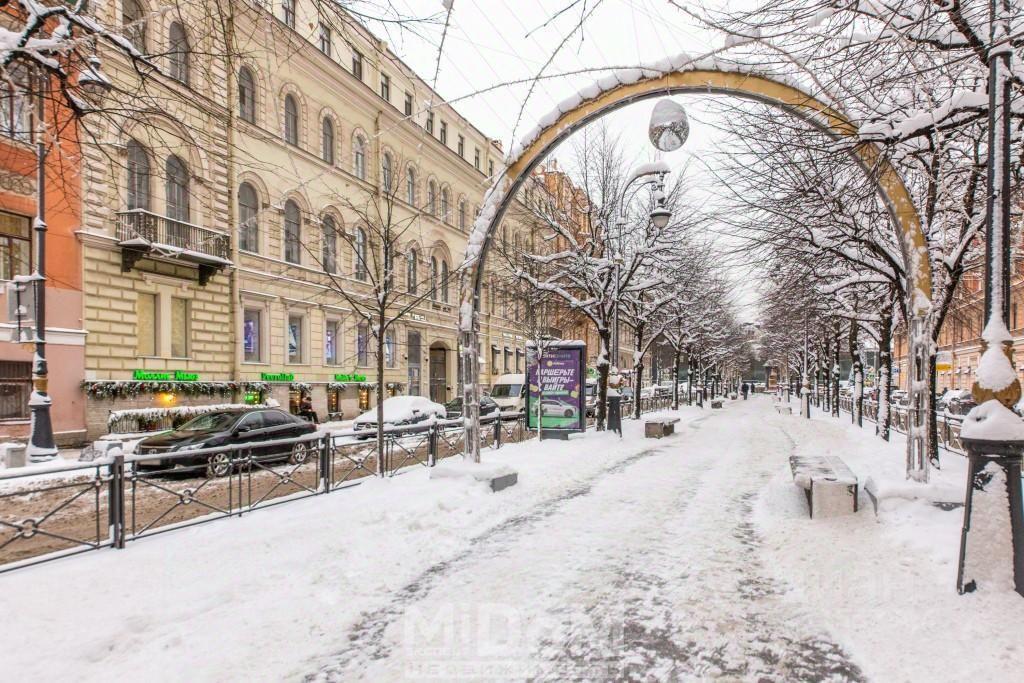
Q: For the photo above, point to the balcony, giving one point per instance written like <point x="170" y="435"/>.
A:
<point x="142" y="234"/>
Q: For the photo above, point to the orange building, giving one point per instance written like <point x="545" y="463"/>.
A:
<point x="65" y="348"/>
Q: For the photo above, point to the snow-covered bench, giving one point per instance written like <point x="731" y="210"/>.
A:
<point x="830" y="486"/>
<point x="657" y="427"/>
<point x="716" y="403"/>
<point x="784" y="409"/>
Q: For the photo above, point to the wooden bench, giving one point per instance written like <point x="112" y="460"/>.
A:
<point x="716" y="403"/>
<point x="831" y="488"/>
<point x="658" y="427"/>
<point x="784" y="410"/>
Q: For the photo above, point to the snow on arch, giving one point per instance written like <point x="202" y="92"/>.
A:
<point x="749" y="79"/>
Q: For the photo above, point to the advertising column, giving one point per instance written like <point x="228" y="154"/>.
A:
<point x="555" y="398"/>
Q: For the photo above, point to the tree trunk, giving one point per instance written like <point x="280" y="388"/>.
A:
<point x="883" y="421"/>
<point x="381" y="320"/>
<point x="603" y="368"/>
<point x="675" y="378"/>
<point x="638" y="367"/>
<point x="835" y="373"/>
<point x="857" y="407"/>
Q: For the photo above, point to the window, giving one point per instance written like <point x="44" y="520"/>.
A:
<point x="332" y="338"/>
<point x="359" y="157"/>
<point x="288" y="12"/>
<point x="408" y="104"/>
<point x="249" y="218"/>
<point x="495" y="359"/>
<point x="291" y="120"/>
<point x="246" y="95"/>
<point x="16" y="104"/>
<point x="145" y="325"/>
<point x="444" y="132"/>
<point x="462" y="214"/>
<point x="360" y="254"/>
<point x="179" y="328"/>
<point x="433" y="278"/>
<point x="325" y="39"/>
<point x="292" y="227"/>
<point x="178" y="53"/>
<point x="476" y="157"/>
<point x="432" y="198"/>
<point x="490" y="168"/>
<point x="508" y="360"/>
<point x="363" y="345"/>
<point x="15" y="245"/>
<point x="445" y="204"/>
<point x="138" y="177"/>
<point x="330" y="256"/>
<point x="444" y="282"/>
<point x="15" y="389"/>
<point x="296" y="339"/>
<point x="134" y="23"/>
<point x="252" y="335"/>
<point x="178" y="201"/>
<point x="357" y="64"/>
<point x="327" y="140"/>
<point x="462" y="146"/>
<point x="430" y="122"/>
<point x="411" y="276"/>
<point x="385" y="173"/>
<point x="410" y="186"/>
<point x="390" y="357"/>
<point x="385" y="87"/>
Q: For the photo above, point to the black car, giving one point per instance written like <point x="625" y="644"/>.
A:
<point x="453" y="407"/>
<point x="227" y="428"/>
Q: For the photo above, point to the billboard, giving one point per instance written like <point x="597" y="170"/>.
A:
<point x="555" y="377"/>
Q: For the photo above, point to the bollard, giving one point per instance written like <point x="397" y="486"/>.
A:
<point x="115" y="502"/>
<point x="432" y="446"/>
<point x="325" y="463"/>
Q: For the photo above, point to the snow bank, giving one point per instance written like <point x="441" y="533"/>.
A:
<point x="992" y="421"/>
<point x="401" y="408"/>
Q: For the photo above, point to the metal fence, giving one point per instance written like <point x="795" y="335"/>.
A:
<point x="85" y="506"/>
<point x="948" y="426"/>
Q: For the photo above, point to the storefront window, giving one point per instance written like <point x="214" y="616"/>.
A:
<point x="295" y="340"/>
<point x="15" y="245"/>
<point x="15" y="388"/>
<point x="251" y="332"/>
<point x="333" y="402"/>
<point x="362" y="344"/>
<point x="145" y="327"/>
<point x="179" y="328"/>
<point x="364" y="399"/>
<point x="331" y="340"/>
<point x="390" y="356"/>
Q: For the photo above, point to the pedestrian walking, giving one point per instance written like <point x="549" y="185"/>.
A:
<point x="745" y="390"/>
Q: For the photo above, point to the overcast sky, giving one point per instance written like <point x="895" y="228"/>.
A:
<point x="491" y="42"/>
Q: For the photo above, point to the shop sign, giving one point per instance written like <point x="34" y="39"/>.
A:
<point x="417" y="317"/>
<point x="154" y="376"/>
<point x="350" y="378"/>
<point x="277" y="376"/>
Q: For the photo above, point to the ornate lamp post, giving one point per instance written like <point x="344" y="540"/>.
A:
<point x="992" y="539"/>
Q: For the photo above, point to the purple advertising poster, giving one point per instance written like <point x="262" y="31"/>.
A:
<point x="556" y="386"/>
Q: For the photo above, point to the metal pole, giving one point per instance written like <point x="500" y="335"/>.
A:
<point x="41" y="445"/>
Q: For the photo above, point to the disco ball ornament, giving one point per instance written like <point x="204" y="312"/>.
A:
<point x="669" y="126"/>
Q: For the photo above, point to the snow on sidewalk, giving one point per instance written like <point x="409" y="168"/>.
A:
<point x="255" y="598"/>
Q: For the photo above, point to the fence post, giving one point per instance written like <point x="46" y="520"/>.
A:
<point x="115" y="501"/>
<point x="497" y="432"/>
<point x="325" y="463"/>
<point x="432" y="446"/>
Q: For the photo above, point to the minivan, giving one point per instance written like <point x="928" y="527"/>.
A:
<point x="509" y="392"/>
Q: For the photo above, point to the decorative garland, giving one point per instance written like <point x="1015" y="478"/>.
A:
<point x="301" y="386"/>
<point x="132" y="388"/>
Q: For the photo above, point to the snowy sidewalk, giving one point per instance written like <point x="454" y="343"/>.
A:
<point x="686" y="557"/>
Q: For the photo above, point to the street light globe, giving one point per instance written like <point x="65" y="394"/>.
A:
<point x="669" y="126"/>
<point x="92" y="79"/>
<point x="660" y="217"/>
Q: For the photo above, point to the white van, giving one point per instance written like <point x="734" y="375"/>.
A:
<point x="509" y="392"/>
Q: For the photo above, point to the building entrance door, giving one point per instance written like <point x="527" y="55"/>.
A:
<point x="438" y="374"/>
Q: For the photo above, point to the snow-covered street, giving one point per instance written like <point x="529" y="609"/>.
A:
<point x="638" y="559"/>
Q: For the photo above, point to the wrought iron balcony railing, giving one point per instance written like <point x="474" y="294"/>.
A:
<point x="142" y="233"/>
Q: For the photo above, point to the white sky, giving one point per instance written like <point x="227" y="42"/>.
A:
<point x="502" y="41"/>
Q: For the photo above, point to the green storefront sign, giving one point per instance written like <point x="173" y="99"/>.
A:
<point x="350" y="378"/>
<point x="154" y="376"/>
<point x="277" y="377"/>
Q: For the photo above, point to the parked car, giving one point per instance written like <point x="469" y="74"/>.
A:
<point x="900" y="397"/>
<point x="227" y="428"/>
<point x="960" y="404"/>
<point x="509" y="392"/>
<point x="453" y="408"/>
<point x="590" y="392"/>
<point x="399" y="411"/>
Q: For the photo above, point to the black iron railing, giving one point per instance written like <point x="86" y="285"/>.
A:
<point x="148" y="230"/>
<point x="948" y="425"/>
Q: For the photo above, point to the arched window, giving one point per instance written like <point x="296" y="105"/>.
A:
<point x="411" y="274"/>
<point x="249" y="218"/>
<point x="291" y="120"/>
<point x="359" y="157"/>
<point x="433" y="278"/>
<point x="410" y="186"/>
<point x="432" y="198"/>
<point x="385" y="172"/>
<point x="444" y="282"/>
<point x="330" y="230"/>
<point x="138" y="177"/>
<point x="246" y="95"/>
<point x="178" y="53"/>
<point x="177" y="197"/>
<point x="445" y="205"/>
<point x="360" y="254"/>
<point x="462" y="214"/>
<point x="327" y="140"/>
<point x="292" y="227"/>
<point x="133" y="21"/>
